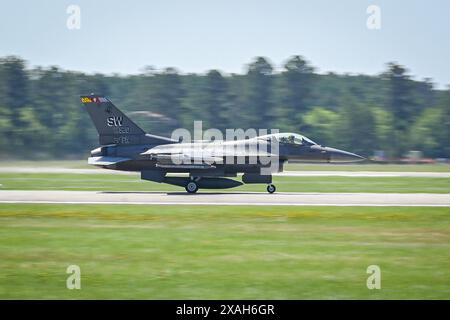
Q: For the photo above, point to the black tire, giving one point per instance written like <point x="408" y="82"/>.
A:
<point x="191" y="187"/>
<point x="271" y="188"/>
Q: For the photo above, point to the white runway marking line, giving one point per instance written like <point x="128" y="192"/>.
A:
<point x="227" y="199"/>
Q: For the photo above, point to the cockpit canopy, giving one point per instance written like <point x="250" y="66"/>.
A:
<point x="289" y="138"/>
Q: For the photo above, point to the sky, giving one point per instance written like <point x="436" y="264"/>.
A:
<point x="199" y="35"/>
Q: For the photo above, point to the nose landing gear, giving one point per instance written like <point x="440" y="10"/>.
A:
<point x="271" y="188"/>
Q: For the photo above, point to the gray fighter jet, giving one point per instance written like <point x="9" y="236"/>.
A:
<point x="204" y="164"/>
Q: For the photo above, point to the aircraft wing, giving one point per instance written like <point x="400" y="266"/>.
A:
<point x="183" y="160"/>
<point x="186" y="158"/>
<point x="204" y="157"/>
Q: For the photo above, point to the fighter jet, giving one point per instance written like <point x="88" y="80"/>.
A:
<point x="197" y="164"/>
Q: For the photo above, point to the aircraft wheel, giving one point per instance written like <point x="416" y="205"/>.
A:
<point x="271" y="188"/>
<point x="191" y="187"/>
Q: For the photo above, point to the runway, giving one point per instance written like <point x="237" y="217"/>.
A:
<point x="227" y="198"/>
<point x="27" y="170"/>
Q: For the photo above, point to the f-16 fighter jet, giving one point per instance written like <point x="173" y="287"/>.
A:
<point x="203" y="164"/>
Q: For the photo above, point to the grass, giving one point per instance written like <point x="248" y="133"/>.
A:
<point x="106" y="182"/>
<point x="213" y="252"/>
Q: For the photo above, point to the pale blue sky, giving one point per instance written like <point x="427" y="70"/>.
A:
<point x="198" y="35"/>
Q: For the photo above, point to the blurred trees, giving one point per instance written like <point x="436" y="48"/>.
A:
<point x="321" y="125"/>
<point x="258" y="110"/>
<point x="216" y="107"/>
<point x="207" y="99"/>
<point x="296" y="89"/>
<point x="355" y="127"/>
<point x="168" y="93"/>
<point x="423" y="134"/>
<point x="401" y="105"/>
<point x="41" y="116"/>
<point x="14" y="97"/>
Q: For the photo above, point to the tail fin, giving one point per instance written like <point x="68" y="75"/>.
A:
<point x="112" y="125"/>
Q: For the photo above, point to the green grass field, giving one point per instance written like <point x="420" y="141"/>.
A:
<point x="211" y="252"/>
<point x="221" y="252"/>
<point x="111" y="182"/>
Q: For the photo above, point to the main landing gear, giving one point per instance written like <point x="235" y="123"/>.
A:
<point x="271" y="188"/>
<point x="191" y="187"/>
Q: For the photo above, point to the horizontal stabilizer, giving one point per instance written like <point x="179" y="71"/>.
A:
<point x="106" y="161"/>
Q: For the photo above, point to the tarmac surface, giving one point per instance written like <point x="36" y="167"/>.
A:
<point x="227" y="198"/>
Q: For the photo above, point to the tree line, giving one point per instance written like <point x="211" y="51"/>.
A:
<point x="41" y="115"/>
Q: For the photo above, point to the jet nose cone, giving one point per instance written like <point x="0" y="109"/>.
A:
<point x="336" y="155"/>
